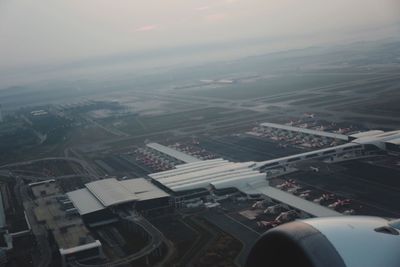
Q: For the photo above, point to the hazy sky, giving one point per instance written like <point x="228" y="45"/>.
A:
<point x="53" y="31"/>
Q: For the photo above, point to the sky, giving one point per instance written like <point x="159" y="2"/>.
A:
<point x="44" y="32"/>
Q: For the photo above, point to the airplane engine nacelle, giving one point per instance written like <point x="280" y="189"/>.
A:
<point x="344" y="241"/>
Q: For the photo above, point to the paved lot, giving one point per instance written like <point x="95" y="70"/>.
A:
<point x="376" y="188"/>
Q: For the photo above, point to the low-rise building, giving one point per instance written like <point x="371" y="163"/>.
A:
<point x="74" y="241"/>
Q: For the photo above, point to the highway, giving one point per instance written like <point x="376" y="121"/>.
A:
<point x="84" y="165"/>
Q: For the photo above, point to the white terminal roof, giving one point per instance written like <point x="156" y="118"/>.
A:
<point x="222" y="174"/>
<point x="84" y="201"/>
<point x="173" y="153"/>
<point x="395" y="141"/>
<point x="216" y="172"/>
<point x="305" y="131"/>
<point x="376" y="137"/>
<point x="110" y="192"/>
<point x="188" y="168"/>
<point x="101" y="194"/>
<point x="366" y="134"/>
<point x="143" y="189"/>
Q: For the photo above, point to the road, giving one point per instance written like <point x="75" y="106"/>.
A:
<point x="156" y="239"/>
<point x="83" y="164"/>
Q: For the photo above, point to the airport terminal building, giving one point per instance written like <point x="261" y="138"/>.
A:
<point x="97" y="202"/>
<point x="220" y="174"/>
<point x="71" y="217"/>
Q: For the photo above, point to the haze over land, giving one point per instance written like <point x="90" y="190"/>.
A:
<point x="176" y="132"/>
<point x="52" y="39"/>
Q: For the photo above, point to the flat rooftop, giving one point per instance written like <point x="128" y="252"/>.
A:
<point x="68" y="230"/>
<point x="45" y="188"/>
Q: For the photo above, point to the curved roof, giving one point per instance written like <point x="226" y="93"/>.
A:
<point x="101" y="194"/>
<point x="110" y="192"/>
<point x="84" y="201"/>
<point x="204" y="174"/>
